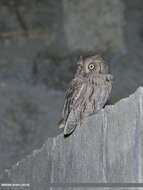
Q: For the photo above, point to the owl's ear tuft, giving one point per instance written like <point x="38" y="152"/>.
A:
<point x="80" y="61"/>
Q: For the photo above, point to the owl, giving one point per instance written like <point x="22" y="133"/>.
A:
<point x="87" y="93"/>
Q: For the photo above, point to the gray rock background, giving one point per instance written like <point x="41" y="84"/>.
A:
<point x="40" y="42"/>
<point x="65" y="27"/>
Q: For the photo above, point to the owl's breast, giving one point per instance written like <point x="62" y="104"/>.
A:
<point x="97" y="93"/>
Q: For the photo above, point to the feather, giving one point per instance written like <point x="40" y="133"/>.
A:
<point x="72" y="122"/>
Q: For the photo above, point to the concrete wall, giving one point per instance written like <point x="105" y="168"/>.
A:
<point x="106" y="148"/>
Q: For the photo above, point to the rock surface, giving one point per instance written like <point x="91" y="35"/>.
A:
<point x="107" y="148"/>
<point x="28" y="115"/>
<point x="87" y="22"/>
<point x="65" y="27"/>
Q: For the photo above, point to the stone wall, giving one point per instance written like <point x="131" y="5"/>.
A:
<point x="66" y="27"/>
<point x="107" y="148"/>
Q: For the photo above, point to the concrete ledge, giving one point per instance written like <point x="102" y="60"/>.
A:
<point x="107" y="148"/>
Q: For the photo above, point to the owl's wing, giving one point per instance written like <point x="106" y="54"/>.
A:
<point x="71" y="113"/>
<point x="101" y="95"/>
<point x="72" y="95"/>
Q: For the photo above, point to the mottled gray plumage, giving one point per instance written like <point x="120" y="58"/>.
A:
<point x="88" y="92"/>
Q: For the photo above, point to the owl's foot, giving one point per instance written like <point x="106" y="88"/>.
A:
<point x="61" y="124"/>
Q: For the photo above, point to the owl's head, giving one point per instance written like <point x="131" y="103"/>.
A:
<point x="92" y="64"/>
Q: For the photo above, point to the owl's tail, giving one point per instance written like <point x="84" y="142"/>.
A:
<point x="72" y="121"/>
<point x="69" y="128"/>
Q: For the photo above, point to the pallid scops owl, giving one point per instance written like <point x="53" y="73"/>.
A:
<point x="88" y="92"/>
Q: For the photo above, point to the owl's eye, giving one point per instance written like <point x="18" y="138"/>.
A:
<point x="91" y="66"/>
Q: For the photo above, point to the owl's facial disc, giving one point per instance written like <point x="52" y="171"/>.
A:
<point x="103" y="68"/>
<point x="93" y="64"/>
